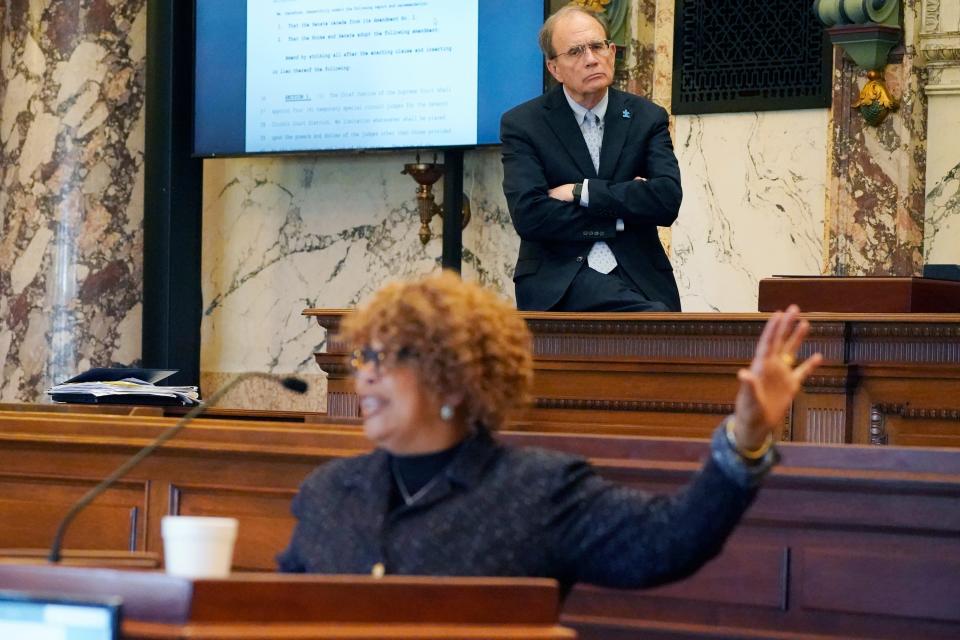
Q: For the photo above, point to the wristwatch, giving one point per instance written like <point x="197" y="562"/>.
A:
<point x="577" y="190"/>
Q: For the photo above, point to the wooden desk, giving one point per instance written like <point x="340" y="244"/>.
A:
<point x="84" y="558"/>
<point x="267" y="607"/>
<point x="266" y="415"/>
<point x="892" y="379"/>
<point x="843" y="541"/>
<point x="861" y="294"/>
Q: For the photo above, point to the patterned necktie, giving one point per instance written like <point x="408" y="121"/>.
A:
<point x="600" y="258"/>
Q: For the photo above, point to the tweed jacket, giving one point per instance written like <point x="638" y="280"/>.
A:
<point x="505" y="511"/>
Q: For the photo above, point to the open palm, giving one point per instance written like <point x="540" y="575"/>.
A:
<point x="769" y="385"/>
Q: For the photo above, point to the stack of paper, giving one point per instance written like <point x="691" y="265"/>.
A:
<point x="123" y="386"/>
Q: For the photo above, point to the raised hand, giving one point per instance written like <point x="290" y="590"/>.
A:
<point x="769" y="385"/>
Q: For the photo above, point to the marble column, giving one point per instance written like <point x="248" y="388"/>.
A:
<point x="661" y="90"/>
<point x="641" y="54"/>
<point x="71" y="189"/>
<point x="875" y="189"/>
<point x="940" y="47"/>
<point x="650" y="63"/>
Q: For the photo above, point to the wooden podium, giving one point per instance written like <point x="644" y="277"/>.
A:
<point x="860" y="294"/>
<point x="306" y="607"/>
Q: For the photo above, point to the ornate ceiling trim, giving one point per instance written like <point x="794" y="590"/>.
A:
<point x="938" y="47"/>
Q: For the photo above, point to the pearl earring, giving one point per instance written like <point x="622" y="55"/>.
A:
<point x="446" y="412"/>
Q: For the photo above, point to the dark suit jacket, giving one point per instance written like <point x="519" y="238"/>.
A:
<point x="544" y="148"/>
<point x="502" y="511"/>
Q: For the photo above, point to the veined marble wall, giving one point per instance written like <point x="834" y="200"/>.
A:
<point x="287" y="233"/>
<point x="71" y="189"/>
<point x="753" y="204"/>
<point x="875" y="213"/>
<point x="753" y="191"/>
<point x="942" y="213"/>
<point x="940" y="45"/>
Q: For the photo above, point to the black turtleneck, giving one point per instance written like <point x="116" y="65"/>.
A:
<point x="417" y="471"/>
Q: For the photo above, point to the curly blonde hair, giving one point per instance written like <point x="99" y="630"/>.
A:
<point x="460" y="338"/>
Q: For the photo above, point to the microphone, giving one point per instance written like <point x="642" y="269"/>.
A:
<point x="289" y="382"/>
<point x="296" y="385"/>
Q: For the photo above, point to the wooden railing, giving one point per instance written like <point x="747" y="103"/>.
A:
<point x="843" y="541"/>
<point x="886" y="379"/>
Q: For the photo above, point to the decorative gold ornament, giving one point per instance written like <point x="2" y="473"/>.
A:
<point x="593" y="5"/>
<point x="875" y="102"/>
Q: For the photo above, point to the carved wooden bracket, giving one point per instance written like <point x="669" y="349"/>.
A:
<point x="841" y="384"/>
<point x="878" y="423"/>
<point x="881" y="411"/>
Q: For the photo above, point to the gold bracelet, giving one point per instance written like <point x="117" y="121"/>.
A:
<point x="749" y="454"/>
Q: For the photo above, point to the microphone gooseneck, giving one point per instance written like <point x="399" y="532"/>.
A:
<point x="292" y="383"/>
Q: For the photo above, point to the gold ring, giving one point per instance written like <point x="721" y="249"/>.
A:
<point x="788" y="359"/>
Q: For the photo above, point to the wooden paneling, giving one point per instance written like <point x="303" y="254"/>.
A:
<point x="842" y="541"/>
<point x="33" y="505"/>
<point x="753" y="575"/>
<point x="264" y="514"/>
<point x="905" y="583"/>
<point x="674" y="375"/>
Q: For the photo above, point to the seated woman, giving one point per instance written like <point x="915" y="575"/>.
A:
<point x="439" y="364"/>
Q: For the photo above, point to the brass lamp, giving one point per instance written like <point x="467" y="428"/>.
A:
<point x="426" y="174"/>
<point x="866" y="30"/>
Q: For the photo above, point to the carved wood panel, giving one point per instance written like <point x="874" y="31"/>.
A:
<point x="32" y="507"/>
<point x="666" y="374"/>
<point x="264" y="514"/>
<point x="906" y="425"/>
<point x="840" y="542"/>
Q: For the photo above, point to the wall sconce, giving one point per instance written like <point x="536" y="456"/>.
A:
<point x="426" y="174"/>
<point x="866" y="30"/>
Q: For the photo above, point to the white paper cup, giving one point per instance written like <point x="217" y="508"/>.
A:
<point x="198" y="547"/>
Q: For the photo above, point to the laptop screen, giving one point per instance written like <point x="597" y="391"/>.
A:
<point x="27" y="616"/>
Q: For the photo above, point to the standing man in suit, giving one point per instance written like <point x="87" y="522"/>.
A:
<point x="589" y="174"/>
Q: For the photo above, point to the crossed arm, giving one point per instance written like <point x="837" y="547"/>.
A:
<point x="543" y="211"/>
<point x="564" y="192"/>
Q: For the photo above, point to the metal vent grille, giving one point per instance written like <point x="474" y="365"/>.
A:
<point x="749" y="55"/>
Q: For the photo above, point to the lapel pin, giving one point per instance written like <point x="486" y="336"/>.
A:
<point x="626" y="114"/>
